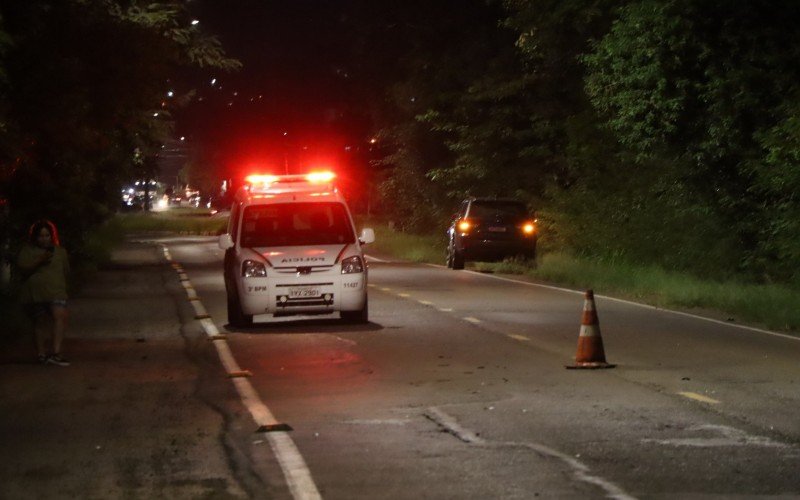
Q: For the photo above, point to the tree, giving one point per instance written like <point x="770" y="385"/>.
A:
<point x="87" y="85"/>
<point x="699" y="85"/>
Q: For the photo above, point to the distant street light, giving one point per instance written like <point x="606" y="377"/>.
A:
<point x="195" y="22"/>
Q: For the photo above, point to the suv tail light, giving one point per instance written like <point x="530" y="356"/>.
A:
<point x="528" y="228"/>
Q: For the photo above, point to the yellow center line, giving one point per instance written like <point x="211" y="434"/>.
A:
<point x="522" y="338"/>
<point x="699" y="397"/>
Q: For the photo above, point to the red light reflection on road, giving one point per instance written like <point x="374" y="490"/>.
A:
<point x="324" y="369"/>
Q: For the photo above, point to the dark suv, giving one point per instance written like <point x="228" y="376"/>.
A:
<point x="490" y="229"/>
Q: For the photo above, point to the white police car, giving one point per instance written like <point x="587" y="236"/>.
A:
<point x="291" y="248"/>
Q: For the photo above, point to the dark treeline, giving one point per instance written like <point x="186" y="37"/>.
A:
<point x="658" y="132"/>
<point x="84" y="104"/>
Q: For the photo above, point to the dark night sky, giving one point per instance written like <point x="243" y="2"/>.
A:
<point x="297" y="77"/>
<point x="315" y="69"/>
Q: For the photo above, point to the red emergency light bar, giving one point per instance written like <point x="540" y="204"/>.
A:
<point x="264" y="182"/>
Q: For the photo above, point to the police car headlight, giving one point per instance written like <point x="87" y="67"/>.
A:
<point x="352" y="264"/>
<point x="253" y="269"/>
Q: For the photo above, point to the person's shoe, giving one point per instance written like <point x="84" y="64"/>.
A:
<point x="57" y="359"/>
<point x="41" y="359"/>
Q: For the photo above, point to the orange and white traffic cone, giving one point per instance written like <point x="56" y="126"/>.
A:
<point x="590" y="353"/>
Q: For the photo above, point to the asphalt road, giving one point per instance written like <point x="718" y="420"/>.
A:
<point x="455" y="389"/>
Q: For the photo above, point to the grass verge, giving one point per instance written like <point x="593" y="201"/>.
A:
<point x="180" y="220"/>
<point x="406" y="246"/>
<point x="772" y="306"/>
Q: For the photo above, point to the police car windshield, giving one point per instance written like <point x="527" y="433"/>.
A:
<point x="293" y="224"/>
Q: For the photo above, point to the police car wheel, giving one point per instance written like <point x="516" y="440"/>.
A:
<point x="235" y="315"/>
<point x="361" y="316"/>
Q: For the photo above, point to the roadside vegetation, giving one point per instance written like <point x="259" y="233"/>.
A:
<point x="767" y="305"/>
<point x="655" y="140"/>
<point x="97" y="247"/>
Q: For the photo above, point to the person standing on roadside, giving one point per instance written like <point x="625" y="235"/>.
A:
<point x="44" y="267"/>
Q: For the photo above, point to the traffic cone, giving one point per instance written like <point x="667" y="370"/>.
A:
<point x="590" y="354"/>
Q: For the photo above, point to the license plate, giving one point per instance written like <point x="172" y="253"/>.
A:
<point x="303" y="293"/>
<point x="496" y="229"/>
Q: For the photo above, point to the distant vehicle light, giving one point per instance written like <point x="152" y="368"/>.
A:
<point x="320" y="177"/>
<point x="528" y="228"/>
<point x="464" y="226"/>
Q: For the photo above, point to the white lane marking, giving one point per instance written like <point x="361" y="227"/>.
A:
<point x="199" y="308"/>
<point x="450" y="425"/>
<point x="295" y="471"/>
<point x="721" y="435"/>
<point x="522" y="338"/>
<point x="637" y="304"/>
<point x="446" y="309"/>
<point x="374" y="259"/>
<point x="209" y="327"/>
<point x="404" y="295"/>
<point x="425" y="302"/>
<point x="472" y="320"/>
<point x="377" y="421"/>
<point x="580" y="470"/>
<point x="385" y="289"/>
<point x="699" y="397"/>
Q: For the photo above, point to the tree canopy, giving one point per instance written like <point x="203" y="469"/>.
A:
<point x="655" y="131"/>
<point x="84" y="86"/>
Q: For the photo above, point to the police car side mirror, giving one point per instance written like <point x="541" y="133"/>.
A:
<point x="225" y="241"/>
<point x="367" y="236"/>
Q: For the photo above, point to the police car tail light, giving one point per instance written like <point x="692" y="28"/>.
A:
<point x="352" y="264"/>
<point x="529" y="228"/>
<point x="464" y="225"/>
<point x="253" y="269"/>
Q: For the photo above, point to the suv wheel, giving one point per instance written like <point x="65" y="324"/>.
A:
<point x="236" y="317"/>
<point x="455" y="259"/>
<point x="449" y="256"/>
<point x="458" y="260"/>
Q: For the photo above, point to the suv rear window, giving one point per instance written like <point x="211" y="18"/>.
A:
<point x="294" y="224"/>
<point x="490" y="209"/>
